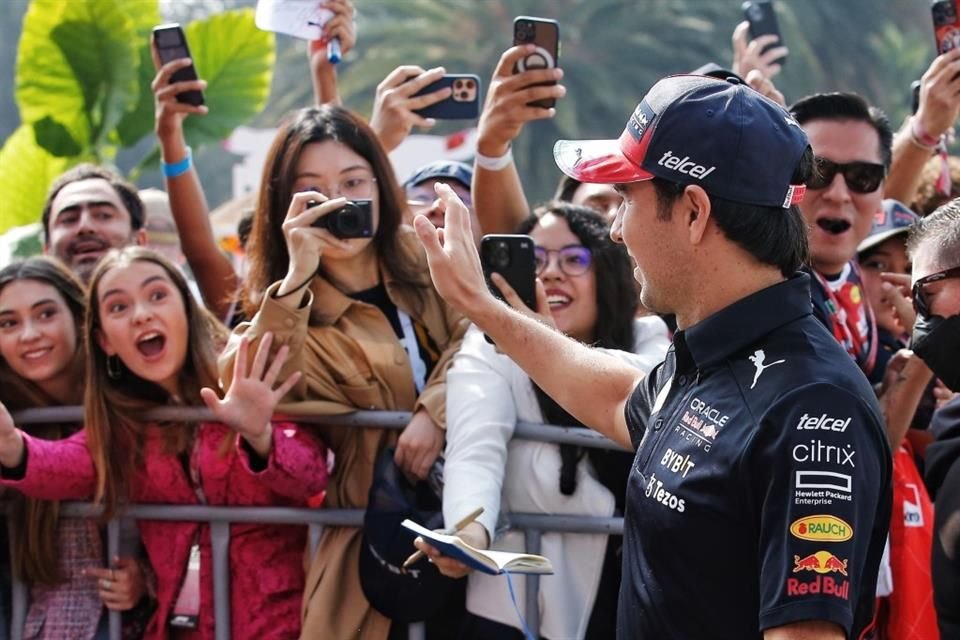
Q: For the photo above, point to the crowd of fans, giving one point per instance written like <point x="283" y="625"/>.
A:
<point x="787" y="288"/>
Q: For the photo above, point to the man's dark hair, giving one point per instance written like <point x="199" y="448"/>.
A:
<point x="616" y="291"/>
<point x="127" y="192"/>
<point x="567" y="187"/>
<point x="941" y="231"/>
<point x="846" y="106"/>
<point x="773" y="235"/>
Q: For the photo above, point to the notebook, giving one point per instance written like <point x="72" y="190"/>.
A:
<point x="488" y="561"/>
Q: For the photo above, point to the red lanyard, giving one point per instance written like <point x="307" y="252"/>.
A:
<point x="845" y="322"/>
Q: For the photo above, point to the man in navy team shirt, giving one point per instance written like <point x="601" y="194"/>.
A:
<point x="760" y="495"/>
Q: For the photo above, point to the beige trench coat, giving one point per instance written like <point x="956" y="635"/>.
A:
<point x="351" y="359"/>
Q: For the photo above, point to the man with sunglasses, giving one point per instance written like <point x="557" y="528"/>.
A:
<point x="852" y="144"/>
<point x="934" y="246"/>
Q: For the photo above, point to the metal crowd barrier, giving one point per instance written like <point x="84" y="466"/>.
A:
<point x="532" y="524"/>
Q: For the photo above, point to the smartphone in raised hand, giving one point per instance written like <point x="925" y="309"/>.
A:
<point x="511" y="255"/>
<point x="171" y="45"/>
<point x="464" y="100"/>
<point x="763" y="21"/>
<point x="946" y="25"/>
<point x="545" y="35"/>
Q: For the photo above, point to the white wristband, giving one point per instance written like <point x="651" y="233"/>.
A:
<point x="495" y="164"/>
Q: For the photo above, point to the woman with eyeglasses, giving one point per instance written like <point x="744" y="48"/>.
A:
<point x="587" y="293"/>
<point x="363" y="323"/>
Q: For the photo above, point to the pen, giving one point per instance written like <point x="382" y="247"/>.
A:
<point x="450" y="531"/>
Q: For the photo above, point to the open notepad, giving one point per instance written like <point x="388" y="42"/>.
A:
<point x="488" y="561"/>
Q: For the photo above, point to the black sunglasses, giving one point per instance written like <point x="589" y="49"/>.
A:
<point x="861" y="177"/>
<point x="920" y="303"/>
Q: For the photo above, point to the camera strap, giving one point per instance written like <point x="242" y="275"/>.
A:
<point x="412" y="347"/>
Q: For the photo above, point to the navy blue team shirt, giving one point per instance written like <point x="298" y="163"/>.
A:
<point x="760" y="494"/>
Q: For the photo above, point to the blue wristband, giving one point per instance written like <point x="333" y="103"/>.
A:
<point x="178" y="168"/>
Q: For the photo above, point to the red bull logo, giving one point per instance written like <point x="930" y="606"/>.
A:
<point x="820" y="562"/>
<point x="826" y="585"/>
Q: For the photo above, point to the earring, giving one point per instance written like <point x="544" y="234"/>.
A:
<point x="114" y="368"/>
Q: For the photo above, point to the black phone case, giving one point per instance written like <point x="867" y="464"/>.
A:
<point x="763" y="21"/>
<point x="546" y="35"/>
<point x="463" y="104"/>
<point x="168" y="53"/>
<point x="521" y="271"/>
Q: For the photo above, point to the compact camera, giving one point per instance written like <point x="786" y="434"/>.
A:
<point x="352" y="220"/>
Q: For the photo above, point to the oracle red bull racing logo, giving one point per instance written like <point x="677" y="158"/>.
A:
<point x="820" y="562"/>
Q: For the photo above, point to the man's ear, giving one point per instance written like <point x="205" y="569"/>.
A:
<point x="104" y="343"/>
<point x="140" y="237"/>
<point x="696" y="207"/>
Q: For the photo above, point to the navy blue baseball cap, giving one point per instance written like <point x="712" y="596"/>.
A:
<point x="894" y="218"/>
<point x="692" y="129"/>
<point x="441" y="170"/>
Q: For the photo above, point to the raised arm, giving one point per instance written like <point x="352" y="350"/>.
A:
<point x="497" y="192"/>
<point x="915" y="143"/>
<point x="211" y="268"/>
<point x="323" y="72"/>
<point x="591" y="385"/>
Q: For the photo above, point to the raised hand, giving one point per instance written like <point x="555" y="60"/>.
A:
<point x="940" y="94"/>
<point x="305" y="243"/>
<point x="749" y="55"/>
<point x="393" y="107"/>
<point x="251" y="399"/>
<point x="896" y="292"/>
<point x="473" y="534"/>
<point x="342" y="26"/>
<point x="452" y="255"/>
<point x="505" y="110"/>
<point x="169" y="113"/>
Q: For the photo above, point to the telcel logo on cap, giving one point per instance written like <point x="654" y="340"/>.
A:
<point x="685" y="165"/>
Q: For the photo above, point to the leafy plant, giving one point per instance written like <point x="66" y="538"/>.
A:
<point x="83" y="88"/>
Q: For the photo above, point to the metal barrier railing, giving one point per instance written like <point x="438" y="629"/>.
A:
<point x="532" y="524"/>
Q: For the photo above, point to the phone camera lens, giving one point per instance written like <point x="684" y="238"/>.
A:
<point x="500" y="259"/>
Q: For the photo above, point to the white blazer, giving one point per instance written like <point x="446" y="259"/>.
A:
<point x="487" y="394"/>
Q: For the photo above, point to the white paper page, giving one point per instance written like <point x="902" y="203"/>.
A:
<point x="298" y="18"/>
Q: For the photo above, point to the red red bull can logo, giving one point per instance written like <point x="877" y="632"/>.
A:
<point x="820" y="562"/>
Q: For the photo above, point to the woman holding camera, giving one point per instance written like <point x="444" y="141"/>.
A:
<point x="588" y="293"/>
<point x="362" y="321"/>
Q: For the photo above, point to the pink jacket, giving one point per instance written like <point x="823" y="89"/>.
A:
<point x="266" y="561"/>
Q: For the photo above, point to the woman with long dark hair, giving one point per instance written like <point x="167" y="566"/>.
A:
<point x="363" y="323"/>
<point x="587" y="293"/>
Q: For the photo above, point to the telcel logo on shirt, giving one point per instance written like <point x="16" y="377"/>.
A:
<point x="821" y="528"/>
<point x="823" y="422"/>
<point x="685" y="165"/>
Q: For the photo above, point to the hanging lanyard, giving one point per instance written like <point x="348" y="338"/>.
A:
<point x="186" y="610"/>
<point x="844" y="322"/>
<point x="412" y="347"/>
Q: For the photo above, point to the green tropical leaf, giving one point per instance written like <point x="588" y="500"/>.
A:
<point x="138" y="122"/>
<point x="26" y="172"/>
<point x="77" y="65"/>
<point x="236" y="59"/>
<point x="55" y="138"/>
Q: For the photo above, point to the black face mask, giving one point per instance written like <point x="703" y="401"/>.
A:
<point x="936" y="340"/>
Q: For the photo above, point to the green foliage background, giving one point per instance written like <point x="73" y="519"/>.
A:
<point x="612" y="51"/>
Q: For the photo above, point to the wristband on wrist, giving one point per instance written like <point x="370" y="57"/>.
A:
<point x="497" y="163"/>
<point x="921" y="137"/>
<point x="176" y="169"/>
